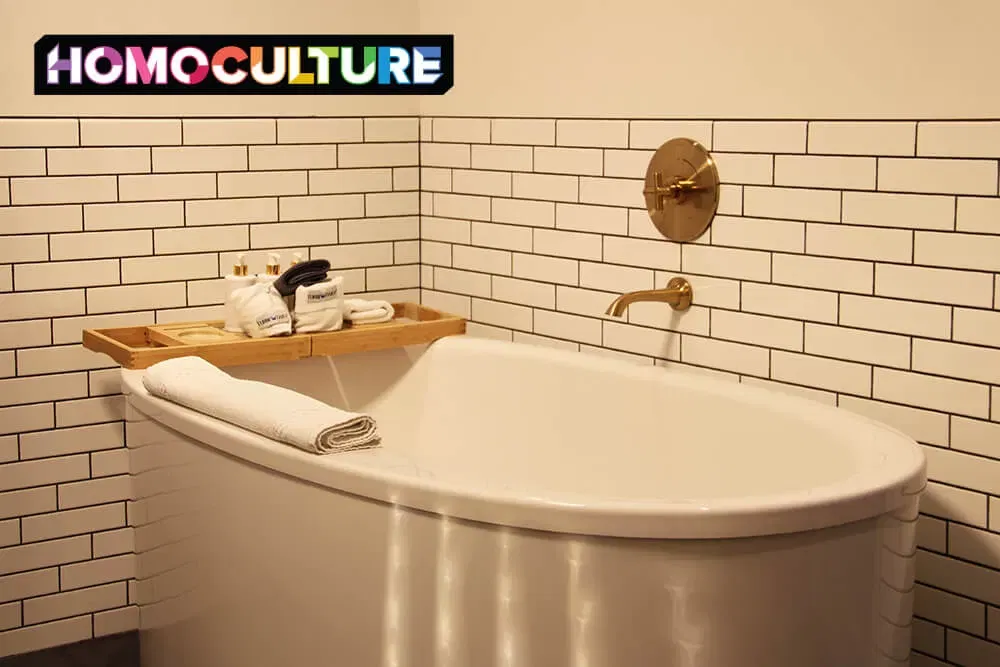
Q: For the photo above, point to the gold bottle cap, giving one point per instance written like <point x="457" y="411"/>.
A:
<point x="240" y="268"/>
<point x="273" y="268"/>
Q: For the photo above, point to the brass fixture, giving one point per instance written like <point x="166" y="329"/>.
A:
<point x="682" y="189"/>
<point x="678" y="294"/>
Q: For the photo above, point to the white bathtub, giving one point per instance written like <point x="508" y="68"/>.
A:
<point x="529" y="508"/>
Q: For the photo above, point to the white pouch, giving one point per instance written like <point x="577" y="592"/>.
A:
<point x="261" y="311"/>
<point x="319" y="307"/>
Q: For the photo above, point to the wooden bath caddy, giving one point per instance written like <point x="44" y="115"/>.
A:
<point x="142" y="346"/>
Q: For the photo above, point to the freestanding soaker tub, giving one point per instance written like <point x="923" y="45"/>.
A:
<point x="529" y="508"/>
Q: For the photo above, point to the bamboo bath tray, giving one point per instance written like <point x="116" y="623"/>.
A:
<point x="141" y="347"/>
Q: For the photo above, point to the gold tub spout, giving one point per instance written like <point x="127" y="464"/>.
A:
<point x="678" y="294"/>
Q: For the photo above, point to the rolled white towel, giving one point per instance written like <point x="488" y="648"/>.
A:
<point x="274" y="412"/>
<point x="361" y="311"/>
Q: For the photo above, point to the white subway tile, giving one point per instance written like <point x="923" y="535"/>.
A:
<point x="963" y="177"/>
<point x="953" y="250"/>
<point x="978" y="214"/>
<point x="524" y="212"/>
<point x="116" y="621"/>
<point x="90" y="411"/>
<point x="446" y="230"/>
<point x="29" y="584"/>
<point x="504" y="158"/>
<point x="434" y="179"/>
<point x="548" y="269"/>
<point x="745" y="168"/>
<point x="17" y="391"/>
<point x="493" y="183"/>
<point x="839" y="376"/>
<point x="952" y="610"/>
<point x="890" y="245"/>
<point x="134" y="216"/>
<point x="206" y="292"/>
<point x="27" y="502"/>
<point x="718" y="292"/>
<point x="83" y="245"/>
<point x="113" y="462"/>
<point x="83" y="161"/>
<point x="822" y="273"/>
<point x="507" y="237"/>
<point x="292" y="157"/>
<point x="726" y="262"/>
<point x="445" y="155"/>
<point x="502" y="314"/>
<point x="477" y="330"/>
<point x="42" y="304"/>
<point x="949" y="502"/>
<point x="936" y="285"/>
<point x="135" y="297"/>
<point x="597" y="219"/>
<point x="72" y="522"/>
<point x="654" y="133"/>
<point x="598" y="133"/>
<point x="568" y="327"/>
<point x="63" y="190"/>
<point x="62" y="605"/>
<point x="461" y="206"/>
<point x="547" y="187"/>
<point x="82" y="439"/>
<point x="921" y="425"/>
<point x="38" y="637"/>
<point x="864" y="138"/>
<point x="39" y="132"/>
<point x="526" y="292"/>
<point x="612" y="192"/>
<point x="274" y="235"/>
<point x="625" y="163"/>
<point x="467" y="130"/>
<point x="792" y="203"/>
<point x="212" y="131"/>
<point x="391" y="129"/>
<point x="968" y="362"/>
<point x="350" y="180"/>
<point x="582" y="161"/>
<point x="856" y="345"/>
<point x="356" y="255"/>
<point x="977" y="437"/>
<point x="730" y="200"/>
<point x="567" y="244"/>
<point x="231" y="211"/>
<point x="481" y="259"/>
<point x="10" y="532"/>
<point x="760" y="136"/>
<point x="896" y="316"/>
<point x="964" y="649"/>
<point x="6" y="279"/>
<point x="36" y="556"/>
<point x="805" y="304"/>
<point x="129" y="132"/>
<point x="378" y="155"/>
<point x="177" y="267"/>
<point x="392" y="277"/>
<point x="583" y="301"/>
<point x="899" y="210"/>
<point x="40" y="219"/>
<point x="321" y="207"/>
<point x="627" y="357"/>
<point x="641" y="340"/>
<point x="166" y="186"/>
<point x="263" y="183"/>
<point x="694" y="320"/>
<point x="757" y="330"/>
<point x="33" y="248"/>
<point x="406" y="178"/>
<point x="449" y="303"/>
<point x="523" y="131"/>
<point x="203" y="313"/>
<point x="22" y="162"/>
<point x="69" y="329"/>
<point x="10" y="615"/>
<point x="4" y="191"/>
<point x="462" y="282"/>
<point x="434" y="252"/>
<point x="822" y="171"/>
<point x="200" y="239"/>
<point x="959" y="139"/>
<point x="977" y="326"/>
<point x="936" y="393"/>
<point x="758" y="233"/>
<point x="543" y="341"/>
<point x="200" y="158"/>
<point x="734" y="357"/>
<point x="92" y="573"/>
<point x="52" y="275"/>
<point x="612" y="278"/>
<point x="105" y="382"/>
<point x="641" y="252"/>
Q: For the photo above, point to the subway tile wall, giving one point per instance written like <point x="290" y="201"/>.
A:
<point x="855" y="263"/>
<point x="114" y="222"/>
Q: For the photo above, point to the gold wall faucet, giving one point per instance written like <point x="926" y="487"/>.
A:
<point x="678" y="294"/>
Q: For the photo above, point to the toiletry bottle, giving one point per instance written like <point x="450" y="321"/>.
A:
<point x="239" y="278"/>
<point x="272" y="270"/>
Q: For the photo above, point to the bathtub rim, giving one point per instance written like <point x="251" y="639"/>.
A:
<point x="371" y="474"/>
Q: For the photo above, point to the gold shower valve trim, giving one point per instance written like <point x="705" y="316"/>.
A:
<point x="681" y="189"/>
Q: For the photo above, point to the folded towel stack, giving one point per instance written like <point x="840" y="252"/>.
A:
<point x="360" y="311"/>
<point x="274" y="412"/>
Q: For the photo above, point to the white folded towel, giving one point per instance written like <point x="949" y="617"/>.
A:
<point x="261" y="311"/>
<point x="360" y="311"/>
<point x="274" y="412"/>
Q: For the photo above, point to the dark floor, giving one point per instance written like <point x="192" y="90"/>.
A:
<point x="115" y="651"/>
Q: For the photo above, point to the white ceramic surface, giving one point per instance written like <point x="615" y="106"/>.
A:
<point x="498" y="524"/>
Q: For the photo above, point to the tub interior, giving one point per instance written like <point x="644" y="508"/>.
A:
<point x="535" y="422"/>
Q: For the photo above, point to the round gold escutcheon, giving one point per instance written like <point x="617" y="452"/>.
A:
<point x="682" y="189"/>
